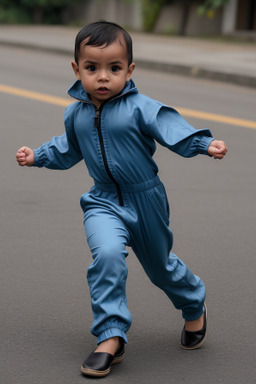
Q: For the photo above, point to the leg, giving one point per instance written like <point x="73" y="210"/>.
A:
<point x="153" y="245"/>
<point x="107" y="238"/>
<point x="166" y="270"/>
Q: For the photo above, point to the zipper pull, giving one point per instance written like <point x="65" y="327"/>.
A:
<point x="97" y="118"/>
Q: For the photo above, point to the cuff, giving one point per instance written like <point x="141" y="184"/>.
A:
<point x="203" y="144"/>
<point x="39" y="157"/>
<point x="190" y="316"/>
<point x="111" y="332"/>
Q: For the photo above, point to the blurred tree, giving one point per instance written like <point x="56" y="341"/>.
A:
<point x="184" y="17"/>
<point x="209" y="7"/>
<point x="38" y="10"/>
<point x="39" y="7"/>
<point x="150" y="12"/>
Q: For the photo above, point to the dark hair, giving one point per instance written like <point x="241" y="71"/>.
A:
<point x="103" y="33"/>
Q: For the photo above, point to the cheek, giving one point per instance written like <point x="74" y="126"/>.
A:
<point x="119" y="85"/>
<point x="85" y="79"/>
<point x="87" y="83"/>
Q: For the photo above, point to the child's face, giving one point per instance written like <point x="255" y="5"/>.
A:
<point x="103" y="71"/>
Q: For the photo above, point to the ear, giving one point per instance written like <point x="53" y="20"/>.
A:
<point x="76" y="70"/>
<point x="130" y="71"/>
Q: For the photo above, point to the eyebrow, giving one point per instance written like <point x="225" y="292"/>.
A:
<point x="96" y="62"/>
<point x="90" y="62"/>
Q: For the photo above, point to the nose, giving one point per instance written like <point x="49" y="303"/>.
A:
<point x="103" y="75"/>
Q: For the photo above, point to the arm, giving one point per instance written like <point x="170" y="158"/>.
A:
<point x="58" y="153"/>
<point x="61" y="152"/>
<point x="169" y="129"/>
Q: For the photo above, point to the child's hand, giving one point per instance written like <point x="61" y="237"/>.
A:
<point x="25" y="156"/>
<point x="217" y="149"/>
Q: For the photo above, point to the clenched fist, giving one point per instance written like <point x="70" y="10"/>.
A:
<point x="25" y="156"/>
<point x="217" y="149"/>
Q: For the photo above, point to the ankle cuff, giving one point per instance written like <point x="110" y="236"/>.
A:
<point x="111" y="332"/>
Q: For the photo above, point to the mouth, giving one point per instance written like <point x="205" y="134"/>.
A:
<point x="103" y="90"/>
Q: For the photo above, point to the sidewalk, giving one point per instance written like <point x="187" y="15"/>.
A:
<point x="233" y="62"/>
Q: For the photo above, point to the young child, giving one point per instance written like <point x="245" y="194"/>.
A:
<point x="114" y="129"/>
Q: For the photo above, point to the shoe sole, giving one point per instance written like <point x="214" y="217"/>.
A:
<point x="201" y="342"/>
<point x="95" y="373"/>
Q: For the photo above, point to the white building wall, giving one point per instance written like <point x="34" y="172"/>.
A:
<point x="229" y="17"/>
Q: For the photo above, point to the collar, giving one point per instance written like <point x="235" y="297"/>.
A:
<point x="77" y="91"/>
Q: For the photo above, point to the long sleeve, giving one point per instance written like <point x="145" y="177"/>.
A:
<point x="169" y="129"/>
<point x="61" y="152"/>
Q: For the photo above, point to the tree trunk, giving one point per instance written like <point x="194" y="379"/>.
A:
<point x="184" y="17"/>
<point x="38" y="14"/>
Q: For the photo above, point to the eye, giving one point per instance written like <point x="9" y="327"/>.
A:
<point x="115" y="68"/>
<point x="91" y="68"/>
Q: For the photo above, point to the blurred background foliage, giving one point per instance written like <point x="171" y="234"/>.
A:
<point x="150" y="12"/>
<point x="209" y="7"/>
<point x="33" y="11"/>
<point x="50" y="11"/>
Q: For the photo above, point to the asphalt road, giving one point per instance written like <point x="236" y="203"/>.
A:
<point x="45" y="312"/>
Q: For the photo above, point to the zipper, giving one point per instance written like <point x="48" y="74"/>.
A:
<point x="97" y="125"/>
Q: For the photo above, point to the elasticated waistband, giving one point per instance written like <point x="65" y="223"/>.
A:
<point x="111" y="187"/>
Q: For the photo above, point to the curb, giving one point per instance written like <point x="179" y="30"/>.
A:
<point x="179" y="69"/>
<point x="197" y="72"/>
<point x="36" y="47"/>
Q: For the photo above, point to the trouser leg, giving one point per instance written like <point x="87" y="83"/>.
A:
<point x="152" y="245"/>
<point x="107" y="238"/>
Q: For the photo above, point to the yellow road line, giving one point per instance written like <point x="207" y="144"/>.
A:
<point x="183" y="111"/>
<point x="218" y="118"/>
<point x="35" y="95"/>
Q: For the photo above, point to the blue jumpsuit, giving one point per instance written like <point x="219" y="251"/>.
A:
<point x="127" y="206"/>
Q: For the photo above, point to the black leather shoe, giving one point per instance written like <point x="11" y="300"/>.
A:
<point x="99" y="363"/>
<point x="193" y="340"/>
